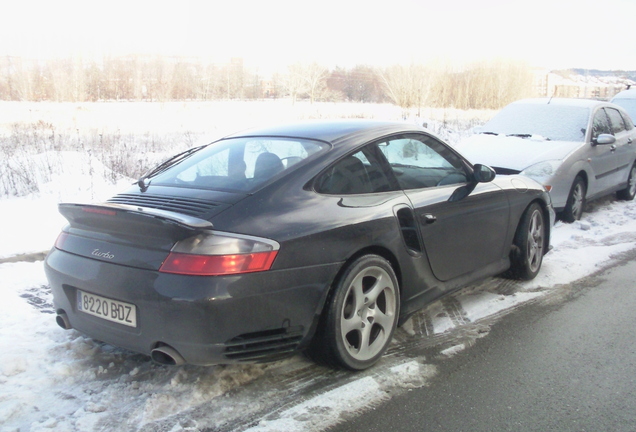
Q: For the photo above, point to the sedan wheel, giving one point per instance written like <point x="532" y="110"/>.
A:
<point x="576" y="201"/>
<point x="361" y="317"/>
<point x="629" y="192"/>
<point x="530" y="241"/>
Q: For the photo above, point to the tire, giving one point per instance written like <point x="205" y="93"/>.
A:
<point x="629" y="192"/>
<point x="576" y="201"/>
<point x="529" y="241"/>
<point x="360" y="317"/>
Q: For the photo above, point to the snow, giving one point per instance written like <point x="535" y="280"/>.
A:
<point x="56" y="380"/>
<point x="487" y="304"/>
<point x="450" y="352"/>
<point x="329" y="408"/>
<point x="554" y="119"/>
<point x="330" y="405"/>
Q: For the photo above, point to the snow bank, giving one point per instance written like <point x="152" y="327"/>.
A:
<point x="31" y="223"/>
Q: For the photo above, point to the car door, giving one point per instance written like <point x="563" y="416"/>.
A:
<point x="460" y="234"/>
<point x="602" y="157"/>
<point x="624" y="147"/>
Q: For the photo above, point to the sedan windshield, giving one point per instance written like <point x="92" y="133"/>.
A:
<point x="550" y="121"/>
<point x="238" y="164"/>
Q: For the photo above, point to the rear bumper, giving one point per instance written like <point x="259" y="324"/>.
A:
<point x="208" y="320"/>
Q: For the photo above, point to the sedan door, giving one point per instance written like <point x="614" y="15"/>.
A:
<point x="624" y="133"/>
<point x="602" y="157"/>
<point x="460" y="233"/>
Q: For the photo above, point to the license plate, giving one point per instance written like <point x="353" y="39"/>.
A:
<point x="111" y="310"/>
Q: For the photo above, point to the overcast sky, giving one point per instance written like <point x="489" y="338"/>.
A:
<point x="594" y="34"/>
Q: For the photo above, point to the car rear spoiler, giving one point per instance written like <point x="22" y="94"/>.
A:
<point x="129" y="219"/>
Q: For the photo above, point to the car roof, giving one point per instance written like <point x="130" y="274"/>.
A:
<point x="583" y="103"/>
<point x="626" y="94"/>
<point x="332" y="131"/>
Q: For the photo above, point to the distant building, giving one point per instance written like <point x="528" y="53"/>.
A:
<point x="570" y="84"/>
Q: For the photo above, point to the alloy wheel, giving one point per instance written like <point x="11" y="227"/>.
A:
<point x="578" y="196"/>
<point x="632" y="181"/>
<point x="368" y="313"/>
<point x="536" y="232"/>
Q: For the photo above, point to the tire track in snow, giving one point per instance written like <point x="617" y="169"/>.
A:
<point x="455" y="311"/>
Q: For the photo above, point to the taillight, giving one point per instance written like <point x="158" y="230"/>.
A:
<point x="59" y="242"/>
<point x="215" y="265"/>
<point x="214" y="254"/>
<point x="101" y="211"/>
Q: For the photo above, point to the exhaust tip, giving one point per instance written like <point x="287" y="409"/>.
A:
<point x="62" y="320"/>
<point x="167" y="355"/>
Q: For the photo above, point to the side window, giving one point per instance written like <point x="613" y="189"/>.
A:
<point x="601" y="124"/>
<point x="358" y="173"/>
<point x="422" y="162"/>
<point x="629" y="124"/>
<point x="616" y="120"/>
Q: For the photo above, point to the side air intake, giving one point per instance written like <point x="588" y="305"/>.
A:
<point x="408" y="229"/>
<point x="264" y="345"/>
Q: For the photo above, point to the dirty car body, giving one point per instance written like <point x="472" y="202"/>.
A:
<point x="316" y="236"/>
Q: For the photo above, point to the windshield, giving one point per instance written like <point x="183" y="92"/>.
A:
<point x="238" y="164"/>
<point x="628" y="105"/>
<point x="550" y="121"/>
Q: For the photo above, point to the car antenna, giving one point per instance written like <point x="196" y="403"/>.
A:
<point x="553" y="93"/>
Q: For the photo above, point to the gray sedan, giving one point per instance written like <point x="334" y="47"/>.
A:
<point x="578" y="149"/>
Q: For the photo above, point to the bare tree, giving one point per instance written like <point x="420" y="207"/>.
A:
<point x="294" y="82"/>
<point x="161" y="79"/>
<point x="315" y="76"/>
<point x="409" y="86"/>
<point x="184" y="81"/>
<point x="364" y="84"/>
<point x="486" y="84"/>
<point x="19" y="85"/>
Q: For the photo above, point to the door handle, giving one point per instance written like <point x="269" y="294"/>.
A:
<point x="613" y="148"/>
<point x="428" y="218"/>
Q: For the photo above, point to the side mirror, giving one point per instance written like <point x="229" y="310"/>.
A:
<point x="483" y="173"/>
<point x="604" y="139"/>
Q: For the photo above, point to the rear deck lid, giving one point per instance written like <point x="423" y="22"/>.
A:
<point x="134" y="236"/>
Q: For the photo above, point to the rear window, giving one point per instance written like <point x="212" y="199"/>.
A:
<point x="239" y="164"/>
<point x="550" y="121"/>
<point x="628" y="105"/>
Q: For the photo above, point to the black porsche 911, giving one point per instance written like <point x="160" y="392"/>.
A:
<point x="319" y="237"/>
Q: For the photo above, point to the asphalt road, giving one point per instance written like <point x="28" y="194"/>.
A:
<point x="567" y="364"/>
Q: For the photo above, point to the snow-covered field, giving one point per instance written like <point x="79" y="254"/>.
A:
<point x="56" y="380"/>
